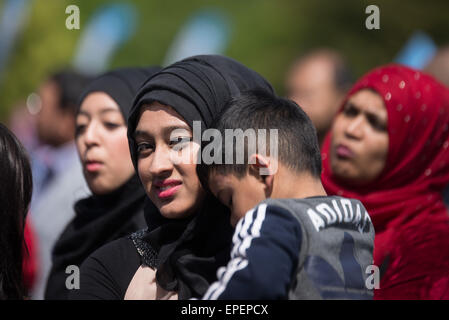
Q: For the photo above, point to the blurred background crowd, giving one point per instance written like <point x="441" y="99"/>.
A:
<point x="310" y="51"/>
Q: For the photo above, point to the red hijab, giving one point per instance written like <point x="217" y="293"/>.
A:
<point x="407" y="193"/>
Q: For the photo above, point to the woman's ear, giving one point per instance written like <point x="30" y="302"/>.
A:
<point x="260" y="167"/>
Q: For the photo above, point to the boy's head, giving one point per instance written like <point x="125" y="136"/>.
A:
<point x="288" y="147"/>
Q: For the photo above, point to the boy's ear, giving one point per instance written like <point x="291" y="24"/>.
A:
<point x="260" y="166"/>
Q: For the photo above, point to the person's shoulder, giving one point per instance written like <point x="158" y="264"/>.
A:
<point x="273" y="204"/>
<point x="269" y="205"/>
<point x="424" y="236"/>
<point x="271" y="212"/>
<point x="327" y="212"/>
<point x="320" y="204"/>
<point x="107" y="272"/>
<point x="294" y="206"/>
<point x="118" y="250"/>
<point x="295" y="203"/>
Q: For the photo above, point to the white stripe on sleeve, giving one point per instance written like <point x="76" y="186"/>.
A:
<point x="238" y="256"/>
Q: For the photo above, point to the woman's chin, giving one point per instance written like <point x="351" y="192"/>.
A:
<point x="345" y="173"/>
<point x="178" y="207"/>
<point x="173" y="211"/>
<point x="350" y="178"/>
<point x="98" y="187"/>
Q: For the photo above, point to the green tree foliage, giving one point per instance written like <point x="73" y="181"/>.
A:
<point x="266" y="35"/>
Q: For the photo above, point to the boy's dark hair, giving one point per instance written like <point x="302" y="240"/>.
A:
<point x="298" y="147"/>
<point x="71" y="85"/>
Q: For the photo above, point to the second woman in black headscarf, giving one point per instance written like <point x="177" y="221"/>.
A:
<point x="115" y="208"/>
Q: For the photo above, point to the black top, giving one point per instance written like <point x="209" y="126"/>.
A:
<point x="197" y="254"/>
<point x="98" y="220"/>
<point x="106" y="274"/>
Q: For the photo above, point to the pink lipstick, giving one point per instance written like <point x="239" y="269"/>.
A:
<point x="167" y="188"/>
<point x="344" y="152"/>
<point x="93" y="166"/>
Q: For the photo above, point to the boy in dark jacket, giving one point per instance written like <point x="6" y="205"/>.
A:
<point x="292" y="241"/>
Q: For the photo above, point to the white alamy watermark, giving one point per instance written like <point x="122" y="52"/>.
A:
<point x="373" y="280"/>
<point x="72" y="282"/>
<point x="236" y="143"/>
<point x="373" y="20"/>
<point x="73" y="20"/>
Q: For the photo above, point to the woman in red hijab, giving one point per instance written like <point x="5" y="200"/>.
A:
<point x="389" y="148"/>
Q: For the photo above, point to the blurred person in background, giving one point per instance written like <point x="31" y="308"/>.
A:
<point x="15" y="196"/>
<point x="439" y="66"/>
<point x="318" y="82"/>
<point x="389" y="148"/>
<point x="55" y="125"/>
<point x="23" y="124"/>
<point x="115" y="208"/>
<point x="56" y="168"/>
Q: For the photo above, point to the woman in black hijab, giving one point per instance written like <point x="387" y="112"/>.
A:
<point x="116" y="207"/>
<point x="188" y="235"/>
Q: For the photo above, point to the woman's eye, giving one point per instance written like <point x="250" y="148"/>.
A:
<point x="144" y="146"/>
<point x="180" y="141"/>
<point x="377" y="124"/>
<point x="79" y="129"/>
<point x="350" y="111"/>
<point x="111" y="125"/>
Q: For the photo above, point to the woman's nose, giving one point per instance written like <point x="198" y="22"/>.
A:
<point x="91" y="137"/>
<point x="354" y="128"/>
<point x="161" y="162"/>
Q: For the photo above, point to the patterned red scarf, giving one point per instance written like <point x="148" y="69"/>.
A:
<point x="407" y="194"/>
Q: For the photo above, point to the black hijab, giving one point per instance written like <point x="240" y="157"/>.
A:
<point x="188" y="252"/>
<point x="121" y="85"/>
<point x="100" y="219"/>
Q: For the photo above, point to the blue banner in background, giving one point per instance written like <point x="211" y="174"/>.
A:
<point x="418" y="51"/>
<point x="206" y="32"/>
<point x="14" y="15"/>
<point x="107" y="30"/>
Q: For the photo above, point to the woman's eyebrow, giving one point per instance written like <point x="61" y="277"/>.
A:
<point x="380" y="116"/>
<point x="83" y="113"/>
<point x="102" y="111"/>
<point x="375" y="115"/>
<point x="170" y="129"/>
<point x="141" y="134"/>
<point x="352" y="105"/>
<point x="167" y="130"/>
<point x="109" y="109"/>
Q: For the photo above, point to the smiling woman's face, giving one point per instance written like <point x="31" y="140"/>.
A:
<point x="166" y="163"/>
<point x="359" y="143"/>
<point x="102" y="143"/>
